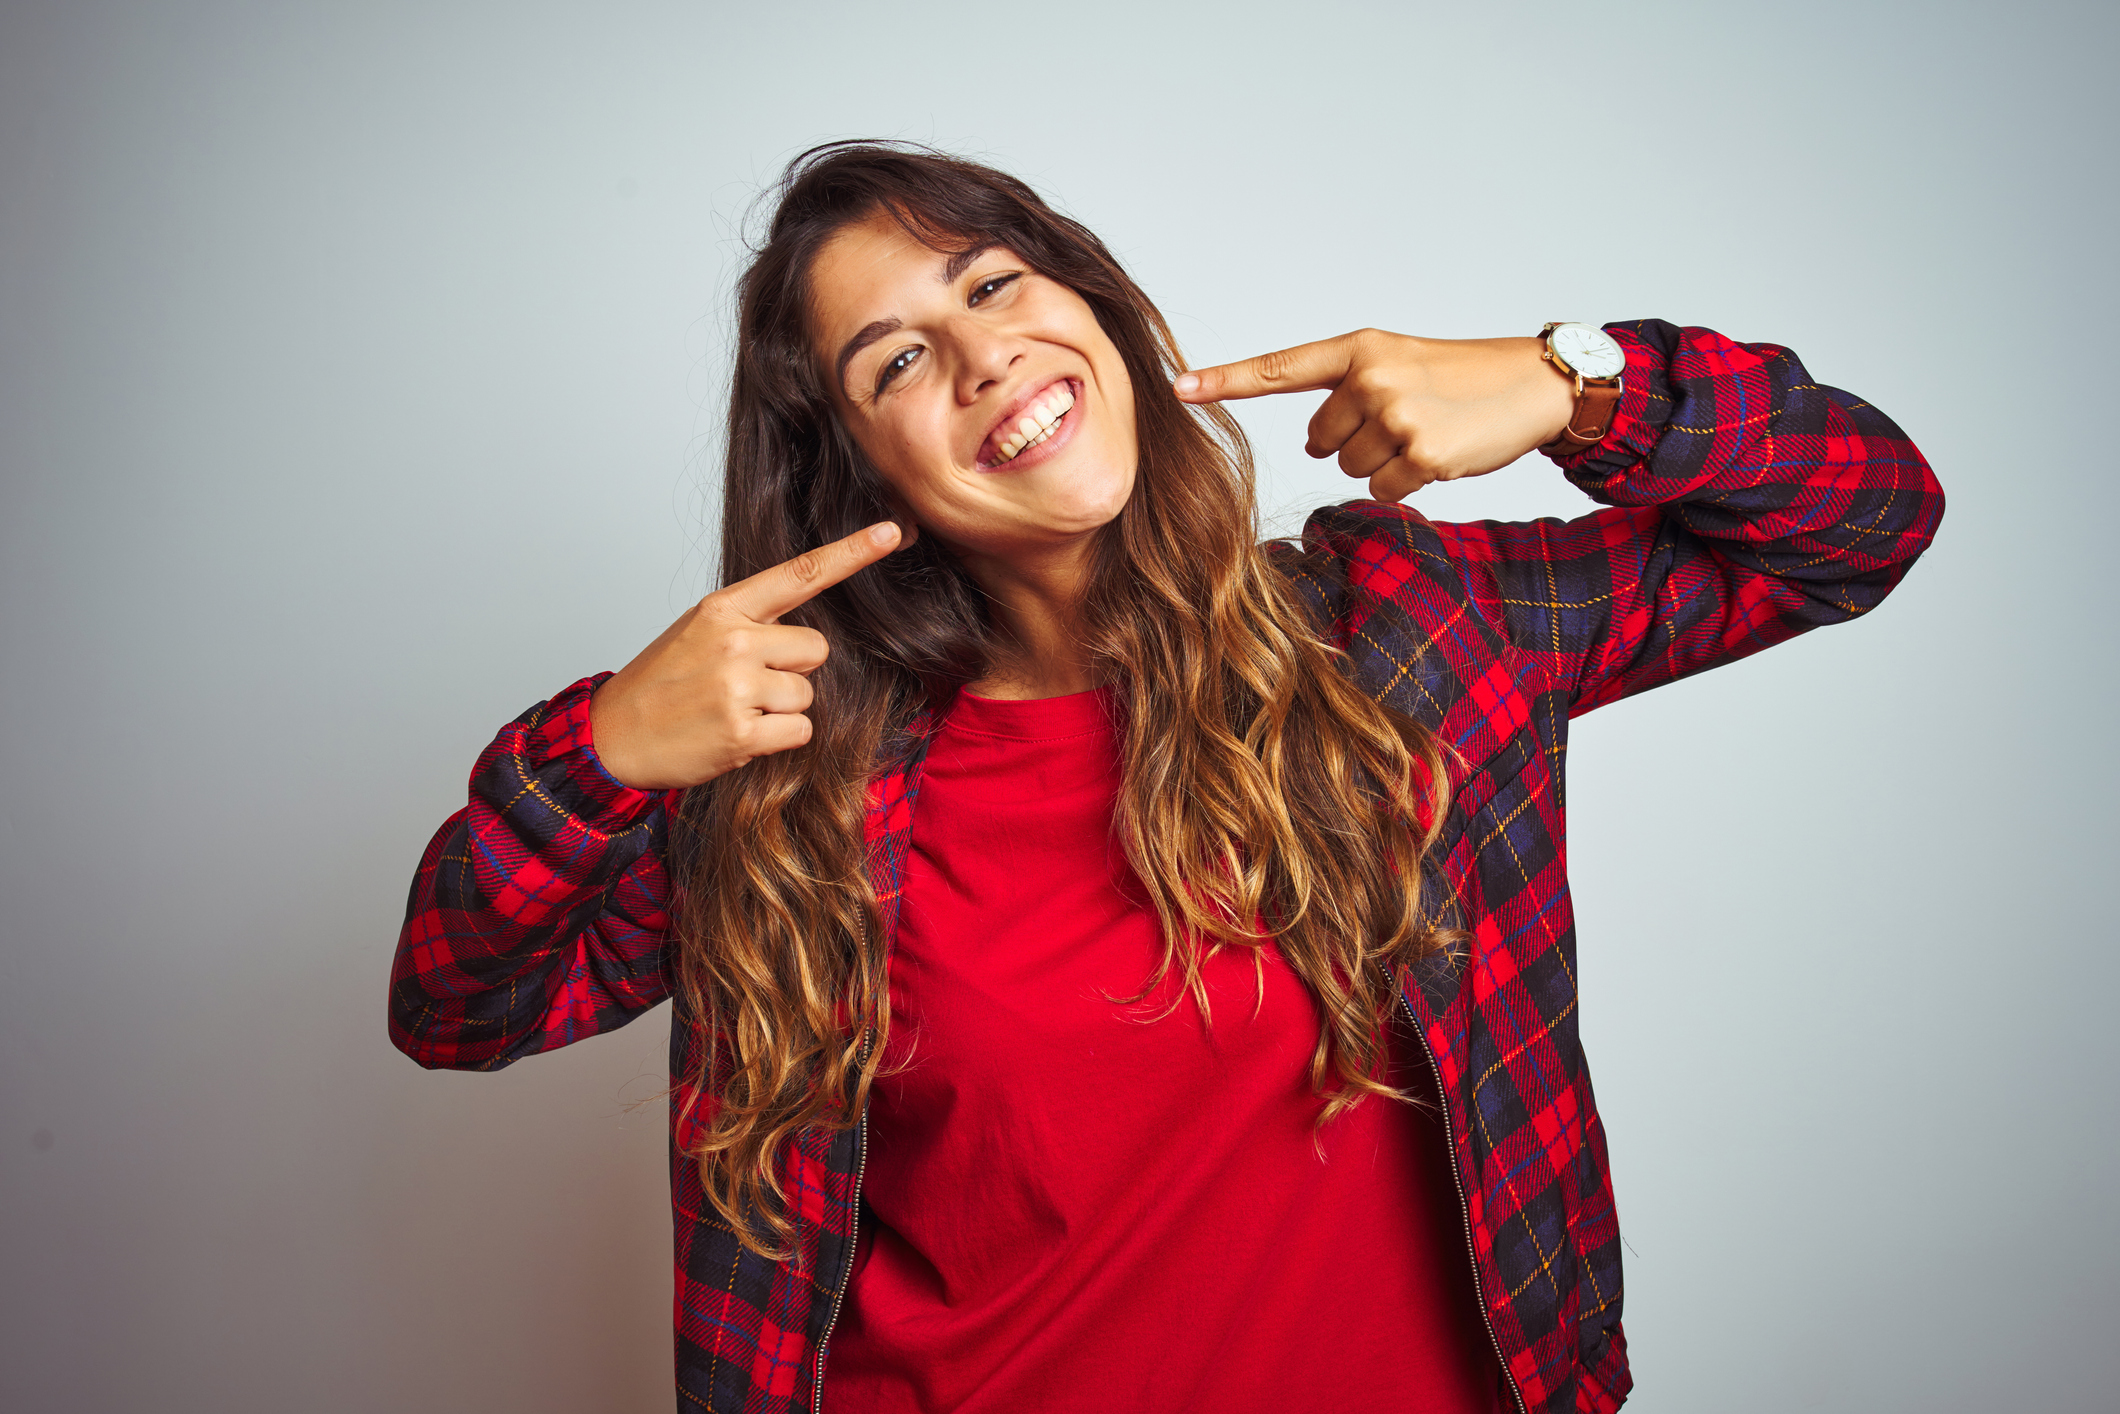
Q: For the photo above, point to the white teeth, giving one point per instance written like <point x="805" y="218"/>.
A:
<point x="1036" y="424"/>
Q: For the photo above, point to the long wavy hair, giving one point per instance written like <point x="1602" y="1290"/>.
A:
<point x="1263" y="796"/>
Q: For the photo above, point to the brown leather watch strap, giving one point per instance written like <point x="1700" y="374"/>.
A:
<point x="1594" y="406"/>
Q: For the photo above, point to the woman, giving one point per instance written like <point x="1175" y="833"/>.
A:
<point x="1063" y="893"/>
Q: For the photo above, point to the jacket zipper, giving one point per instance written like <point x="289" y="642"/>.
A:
<point x="846" y="1274"/>
<point x="1442" y="1097"/>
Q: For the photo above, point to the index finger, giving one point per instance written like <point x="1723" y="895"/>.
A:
<point x="765" y="596"/>
<point x="1302" y="368"/>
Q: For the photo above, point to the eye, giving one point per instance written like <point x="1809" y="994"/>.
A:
<point x="992" y="286"/>
<point x="896" y="364"/>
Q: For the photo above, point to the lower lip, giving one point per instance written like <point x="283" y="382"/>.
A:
<point x="1048" y="449"/>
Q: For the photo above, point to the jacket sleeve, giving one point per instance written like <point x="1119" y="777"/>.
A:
<point x="540" y="911"/>
<point x="1747" y="503"/>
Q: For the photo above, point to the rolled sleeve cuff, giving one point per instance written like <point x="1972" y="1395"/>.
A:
<point x="558" y="744"/>
<point x="1635" y="424"/>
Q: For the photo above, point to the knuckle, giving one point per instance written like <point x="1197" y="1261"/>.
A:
<point x="807" y="566"/>
<point x="738" y="643"/>
<point x="1367" y="345"/>
<point x="1272" y="367"/>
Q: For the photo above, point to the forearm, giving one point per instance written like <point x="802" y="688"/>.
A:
<point x="539" y="912"/>
<point x="1748" y="504"/>
<point x="1784" y="476"/>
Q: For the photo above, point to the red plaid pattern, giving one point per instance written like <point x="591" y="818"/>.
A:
<point x="1745" y="503"/>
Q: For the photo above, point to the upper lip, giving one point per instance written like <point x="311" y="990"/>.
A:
<point x="990" y="447"/>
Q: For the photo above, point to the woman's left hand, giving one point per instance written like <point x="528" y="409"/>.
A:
<point x="1406" y="411"/>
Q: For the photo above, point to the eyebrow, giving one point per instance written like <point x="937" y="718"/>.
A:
<point x="869" y="334"/>
<point x="876" y="329"/>
<point x="960" y="262"/>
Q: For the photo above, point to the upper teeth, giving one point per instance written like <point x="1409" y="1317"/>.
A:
<point x="1037" y="421"/>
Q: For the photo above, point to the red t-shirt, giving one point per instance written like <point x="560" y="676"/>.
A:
<point x="1074" y="1207"/>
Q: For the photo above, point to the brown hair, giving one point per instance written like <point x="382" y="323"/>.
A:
<point x="1259" y="783"/>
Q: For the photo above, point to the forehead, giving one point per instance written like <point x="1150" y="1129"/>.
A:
<point x="875" y="269"/>
<point x="868" y="269"/>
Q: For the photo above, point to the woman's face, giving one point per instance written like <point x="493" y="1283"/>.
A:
<point x="986" y="395"/>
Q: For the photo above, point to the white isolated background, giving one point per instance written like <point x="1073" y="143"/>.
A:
<point x="359" y="375"/>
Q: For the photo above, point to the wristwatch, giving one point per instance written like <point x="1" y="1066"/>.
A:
<point x="1595" y="361"/>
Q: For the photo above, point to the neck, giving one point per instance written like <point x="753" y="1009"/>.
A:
<point x="1037" y="603"/>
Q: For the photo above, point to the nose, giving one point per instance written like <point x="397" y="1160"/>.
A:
<point x="984" y="355"/>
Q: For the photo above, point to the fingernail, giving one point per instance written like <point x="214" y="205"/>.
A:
<point x="883" y="532"/>
<point x="1187" y="383"/>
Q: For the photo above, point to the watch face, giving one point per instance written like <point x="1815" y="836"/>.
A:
<point x="1590" y="352"/>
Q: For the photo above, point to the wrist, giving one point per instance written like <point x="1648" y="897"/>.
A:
<point x="603" y="737"/>
<point x="561" y="740"/>
<point x="1549" y="393"/>
<point x="1592" y="361"/>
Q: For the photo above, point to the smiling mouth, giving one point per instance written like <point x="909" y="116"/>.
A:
<point x="1035" y="424"/>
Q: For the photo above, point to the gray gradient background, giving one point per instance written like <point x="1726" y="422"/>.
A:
<point x="359" y="370"/>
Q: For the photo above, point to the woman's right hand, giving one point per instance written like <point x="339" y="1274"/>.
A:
<point x="727" y="682"/>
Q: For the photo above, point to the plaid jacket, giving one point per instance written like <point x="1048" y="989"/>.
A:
<point x="1745" y="503"/>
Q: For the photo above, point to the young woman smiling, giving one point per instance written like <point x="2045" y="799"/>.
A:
<point x="1064" y="894"/>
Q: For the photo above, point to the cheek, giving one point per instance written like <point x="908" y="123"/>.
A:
<point x="911" y="454"/>
<point x="1121" y="433"/>
<point x="1118" y="387"/>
